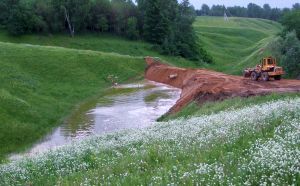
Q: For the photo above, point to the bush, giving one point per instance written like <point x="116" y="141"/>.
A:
<point x="132" y="32"/>
<point x="291" y="55"/>
<point x="22" y="20"/>
<point x="291" y="21"/>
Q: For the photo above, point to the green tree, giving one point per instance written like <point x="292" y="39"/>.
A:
<point x="121" y="11"/>
<point x="22" y="19"/>
<point x="102" y="24"/>
<point x="291" y="21"/>
<point x="217" y="10"/>
<point x="237" y="11"/>
<point x="186" y="39"/>
<point x="131" y="31"/>
<point x="76" y="12"/>
<point x="291" y="55"/>
<point x="205" y="10"/>
<point x="296" y="6"/>
<point x="276" y="14"/>
<point x="254" y="10"/>
<point x="155" y="26"/>
<point x="141" y="7"/>
<point x="267" y="11"/>
<point x="4" y="13"/>
<point x="6" y="7"/>
<point x="98" y="18"/>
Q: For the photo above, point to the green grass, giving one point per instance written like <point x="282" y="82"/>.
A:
<point x="40" y="86"/>
<point x="97" y="42"/>
<point x="236" y="44"/>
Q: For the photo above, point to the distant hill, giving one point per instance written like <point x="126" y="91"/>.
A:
<point x="237" y="43"/>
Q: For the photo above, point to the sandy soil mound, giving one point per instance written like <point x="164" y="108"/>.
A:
<point x="205" y="85"/>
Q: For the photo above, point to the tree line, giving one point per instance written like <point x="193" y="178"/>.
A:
<point x="251" y="11"/>
<point x="287" y="46"/>
<point x="165" y="23"/>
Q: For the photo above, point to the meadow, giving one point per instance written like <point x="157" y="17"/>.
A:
<point x="237" y="43"/>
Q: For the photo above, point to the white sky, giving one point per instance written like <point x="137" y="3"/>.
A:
<point x="272" y="3"/>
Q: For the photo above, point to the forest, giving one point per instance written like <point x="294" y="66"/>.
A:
<point x="252" y="11"/>
<point x="165" y="23"/>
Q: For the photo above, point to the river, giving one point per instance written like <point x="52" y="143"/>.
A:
<point x="124" y="107"/>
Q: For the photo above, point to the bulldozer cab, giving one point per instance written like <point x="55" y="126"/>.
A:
<point x="268" y="62"/>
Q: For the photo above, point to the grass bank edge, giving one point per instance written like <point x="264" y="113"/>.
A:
<point x="194" y="109"/>
<point x="155" y="160"/>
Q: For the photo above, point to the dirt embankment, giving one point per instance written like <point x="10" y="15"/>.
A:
<point x="204" y="85"/>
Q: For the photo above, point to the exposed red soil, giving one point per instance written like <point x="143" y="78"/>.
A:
<point x="204" y="85"/>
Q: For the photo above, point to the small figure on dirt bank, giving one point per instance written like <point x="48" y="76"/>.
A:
<point x="113" y="79"/>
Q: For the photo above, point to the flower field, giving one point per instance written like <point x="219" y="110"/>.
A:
<point x="257" y="145"/>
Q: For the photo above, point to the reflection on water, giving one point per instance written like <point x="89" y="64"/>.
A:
<point x="126" y="107"/>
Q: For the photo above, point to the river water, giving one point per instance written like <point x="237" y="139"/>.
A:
<point x="127" y="106"/>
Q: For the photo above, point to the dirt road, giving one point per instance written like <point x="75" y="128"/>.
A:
<point x="204" y="85"/>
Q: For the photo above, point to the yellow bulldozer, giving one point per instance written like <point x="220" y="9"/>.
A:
<point x="266" y="70"/>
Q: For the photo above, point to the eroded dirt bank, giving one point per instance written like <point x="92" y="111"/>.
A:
<point x="204" y="85"/>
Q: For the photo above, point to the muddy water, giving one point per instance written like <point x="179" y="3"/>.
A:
<point x="123" y="107"/>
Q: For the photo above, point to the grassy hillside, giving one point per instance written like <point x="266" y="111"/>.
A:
<point x="97" y="42"/>
<point x="237" y="43"/>
<point x="40" y="85"/>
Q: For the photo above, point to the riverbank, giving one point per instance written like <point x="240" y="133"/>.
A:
<point x="40" y="86"/>
<point x="253" y="145"/>
<point x="121" y="107"/>
<point x="202" y="85"/>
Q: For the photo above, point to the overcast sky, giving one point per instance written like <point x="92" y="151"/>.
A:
<point x="273" y="3"/>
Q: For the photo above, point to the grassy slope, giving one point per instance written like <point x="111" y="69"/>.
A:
<point x="195" y="110"/>
<point x="40" y="85"/>
<point x="254" y="145"/>
<point x="235" y="44"/>
<point x="97" y="42"/>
